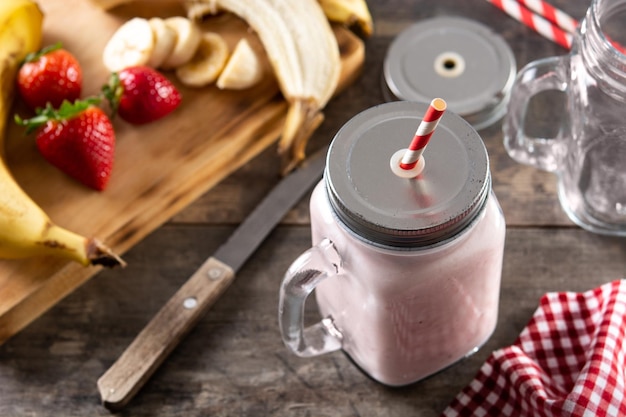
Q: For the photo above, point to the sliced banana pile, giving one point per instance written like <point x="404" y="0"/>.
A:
<point x="177" y="43"/>
<point x="301" y="48"/>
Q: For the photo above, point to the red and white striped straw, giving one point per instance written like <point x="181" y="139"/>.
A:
<point x="424" y="132"/>
<point x="534" y="21"/>
<point x="552" y="14"/>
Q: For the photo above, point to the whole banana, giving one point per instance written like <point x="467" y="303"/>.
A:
<point x="25" y="229"/>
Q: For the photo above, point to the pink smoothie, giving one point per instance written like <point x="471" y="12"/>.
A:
<point x="406" y="314"/>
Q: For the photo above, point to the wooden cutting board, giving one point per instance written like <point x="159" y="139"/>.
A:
<point x="159" y="168"/>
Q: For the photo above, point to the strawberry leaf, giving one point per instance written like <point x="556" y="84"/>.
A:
<point x="112" y="92"/>
<point x="34" y="56"/>
<point x="66" y="111"/>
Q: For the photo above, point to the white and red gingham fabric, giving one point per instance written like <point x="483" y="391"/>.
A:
<point x="568" y="361"/>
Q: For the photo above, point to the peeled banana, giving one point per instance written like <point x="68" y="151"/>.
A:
<point x="304" y="55"/>
<point x="25" y="229"/>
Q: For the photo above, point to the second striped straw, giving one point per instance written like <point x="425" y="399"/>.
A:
<point x="559" y="30"/>
<point x="552" y="14"/>
<point x="409" y="163"/>
<point x="547" y="20"/>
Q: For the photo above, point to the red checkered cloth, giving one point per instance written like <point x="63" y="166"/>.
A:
<point x="568" y="361"/>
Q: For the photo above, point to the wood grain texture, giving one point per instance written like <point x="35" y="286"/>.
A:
<point x="233" y="363"/>
<point x="159" y="168"/>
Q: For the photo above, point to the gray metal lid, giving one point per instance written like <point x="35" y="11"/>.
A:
<point x="459" y="60"/>
<point x="383" y="208"/>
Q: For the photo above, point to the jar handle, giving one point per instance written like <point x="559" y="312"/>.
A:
<point x="305" y="273"/>
<point x="541" y="75"/>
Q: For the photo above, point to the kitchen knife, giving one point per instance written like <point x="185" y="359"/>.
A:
<point x="134" y="367"/>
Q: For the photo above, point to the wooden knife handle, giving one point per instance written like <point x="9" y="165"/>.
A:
<point x="154" y="343"/>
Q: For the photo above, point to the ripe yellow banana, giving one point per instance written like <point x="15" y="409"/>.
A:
<point x="25" y="229"/>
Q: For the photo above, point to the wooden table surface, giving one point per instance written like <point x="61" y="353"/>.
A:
<point x="234" y="363"/>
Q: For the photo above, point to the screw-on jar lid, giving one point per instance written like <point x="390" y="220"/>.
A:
<point x="459" y="60"/>
<point x="385" y="209"/>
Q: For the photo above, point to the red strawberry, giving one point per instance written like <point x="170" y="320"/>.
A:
<point x="78" y="138"/>
<point x="141" y="94"/>
<point x="49" y="76"/>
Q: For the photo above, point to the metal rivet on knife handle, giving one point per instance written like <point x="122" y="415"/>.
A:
<point x="215" y="273"/>
<point x="190" y="303"/>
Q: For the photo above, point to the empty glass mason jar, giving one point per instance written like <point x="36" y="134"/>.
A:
<point x="589" y="151"/>
<point x="406" y="272"/>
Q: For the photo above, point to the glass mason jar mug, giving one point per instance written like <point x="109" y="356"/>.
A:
<point x="589" y="150"/>
<point x="406" y="272"/>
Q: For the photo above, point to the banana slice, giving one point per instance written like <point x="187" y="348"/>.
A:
<point x="207" y="63"/>
<point x="242" y="70"/>
<point x="131" y="44"/>
<point x="188" y="36"/>
<point x="164" y="41"/>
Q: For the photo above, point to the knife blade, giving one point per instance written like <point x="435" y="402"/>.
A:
<point x="119" y="384"/>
